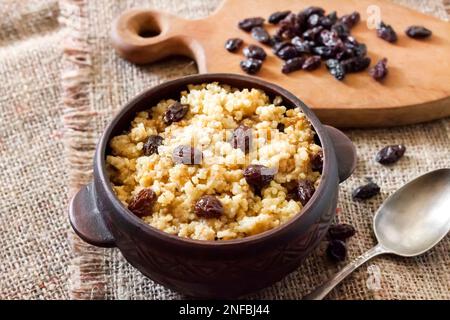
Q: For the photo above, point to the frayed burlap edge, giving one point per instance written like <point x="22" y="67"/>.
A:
<point x="86" y="274"/>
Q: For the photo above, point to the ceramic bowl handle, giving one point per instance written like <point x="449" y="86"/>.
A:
<point x="345" y="152"/>
<point x="87" y="221"/>
<point x="144" y="36"/>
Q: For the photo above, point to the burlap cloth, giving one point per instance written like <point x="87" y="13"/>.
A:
<point x="61" y="82"/>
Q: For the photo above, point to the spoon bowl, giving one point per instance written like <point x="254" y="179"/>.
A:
<point x="417" y="216"/>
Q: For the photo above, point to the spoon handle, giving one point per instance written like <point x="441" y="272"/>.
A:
<point x="321" y="291"/>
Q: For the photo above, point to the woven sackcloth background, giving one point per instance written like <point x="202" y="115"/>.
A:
<point x="61" y="82"/>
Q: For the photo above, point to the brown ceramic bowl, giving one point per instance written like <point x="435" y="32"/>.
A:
<point x="210" y="269"/>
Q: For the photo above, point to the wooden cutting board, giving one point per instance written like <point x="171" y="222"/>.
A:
<point x="417" y="88"/>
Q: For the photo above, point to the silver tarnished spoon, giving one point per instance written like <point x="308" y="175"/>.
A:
<point x="410" y="222"/>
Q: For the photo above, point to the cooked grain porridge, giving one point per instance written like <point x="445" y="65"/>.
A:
<point x="219" y="164"/>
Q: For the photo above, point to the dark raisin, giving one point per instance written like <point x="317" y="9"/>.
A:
<point x="254" y="52"/>
<point x="356" y="64"/>
<point x="141" y="205"/>
<point x="331" y="19"/>
<point x="305" y="190"/>
<point x="313" y="34"/>
<point x="317" y="161"/>
<point x="313" y="20"/>
<point x="291" y="26"/>
<point x="351" y="20"/>
<point x="251" y="66"/>
<point x="233" y="44"/>
<point x="311" y="63"/>
<point x="258" y="176"/>
<point x="390" y="154"/>
<point x="341" y="232"/>
<point x="279" y="45"/>
<point x="314" y="10"/>
<point x="208" y="207"/>
<point x="338" y="72"/>
<point x="341" y="29"/>
<point x="152" y="144"/>
<point x="326" y="52"/>
<point x="187" y="155"/>
<point x="418" y="32"/>
<point x="293" y="64"/>
<point x="261" y="35"/>
<point x="249" y="23"/>
<point x="386" y="32"/>
<point x="280" y="127"/>
<point x="380" y="70"/>
<point x="336" y="250"/>
<point x="302" y="46"/>
<point x="278" y="16"/>
<point x="242" y="138"/>
<point x="366" y="191"/>
<point x="330" y="38"/>
<point x="287" y="52"/>
<point x="360" y="50"/>
<point x="291" y="187"/>
<point x="175" y="112"/>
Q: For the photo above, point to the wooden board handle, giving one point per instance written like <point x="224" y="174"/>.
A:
<point x="144" y="36"/>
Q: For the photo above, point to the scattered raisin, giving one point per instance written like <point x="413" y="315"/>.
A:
<point x="366" y="191"/>
<point x="390" y="154"/>
<point x="242" y="138"/>
<point x="208" y="207"/>
<point x="311" y="63"/>
<point x="305" y="190"/>
<point x="249" y="23"/>
<point x="386" y="32"/>
<point x="341" y="231"/>
<point x="187" y="155"/>
<point x="175" y="112"/>
<point x="254" y="52"/>
<point x="317" y="161"/>
<point x="380" y="70"/>
<point x="261" y="35"/>
<point x="336" y="250"/>
<point x="233" y="44"/>
<point x="258" y="176"/>
<point x="152" y="144"/>
<point x="356" y="64"/>
<point x="418" y="32"/>
<point x="293" y="64"/>
<point x="251" y="66"/>
<point x="278" y="16"/>
<point x="141" y="205"/>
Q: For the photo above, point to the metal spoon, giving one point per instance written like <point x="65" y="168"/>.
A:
<point x="410" y="222"/>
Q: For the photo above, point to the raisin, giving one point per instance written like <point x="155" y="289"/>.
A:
<point x="280" y="45"/>
<point x="258" y="176"/>
<point x="366" y="191"/>
<point x="175" y="112"/>
<point x="386" y="32"/>
<point x="328" y="21"/>
<point x="187" y="155"/>
<point x="311" y="63"/>
<point x="418" y="32"/>
<point x="313" y="20"/>
<point x="261" y="35"/>
<point x="360" y="50"/>
<point x="142" y="204"/>
<point x="302" y="46"/>
<point x="287" y="52"/>
<point x="336" y="250"/>
<point x="152" y="144"/>
<point x="233" y="44"/>
<point x="280" y="127"/>
<point x="249" y="23"/>
<point x="314" y="10"/>
<point x="278" y="16"/>
<point x="341" y="232"/>
<point x="313" y="34"/>
<point x="336" y="69"/>
<point x="293" y="64"/>
<point x="380" y="70"/>
<point x="305" y="190"/>
<point x="341" y="29"/>
<point x="356" y="64"/>
<point x="254" y="52"/>
<point x="330" y="38"/>
<point x="351" y="20"/>
<point x="291" y="187"/>
<point x="390" y="154"/>
<point x="291" y="26"/>
<point x="242" y="138"/>
<point x="208" y="207"/>
<point x="317" y="161"/>
<point x="326" y="52"/>
<point x="251" y="66"/>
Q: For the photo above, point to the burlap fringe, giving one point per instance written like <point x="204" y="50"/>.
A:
<point x="86" y="274"/>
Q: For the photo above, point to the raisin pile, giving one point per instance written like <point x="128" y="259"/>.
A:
<point x="305" y="38"/>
